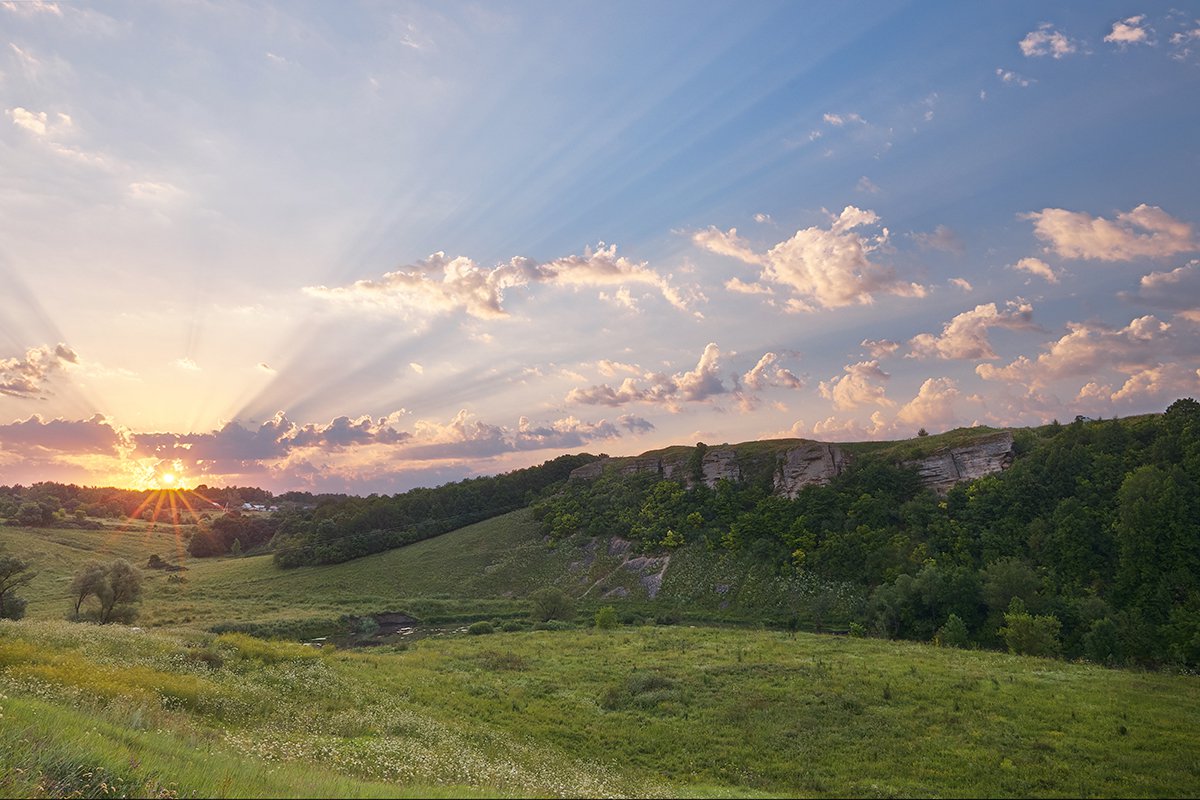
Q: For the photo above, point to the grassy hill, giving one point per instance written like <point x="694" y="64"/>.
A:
<point x="647" y="711"/>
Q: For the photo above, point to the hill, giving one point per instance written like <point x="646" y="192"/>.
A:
<point x="645" y="711"/>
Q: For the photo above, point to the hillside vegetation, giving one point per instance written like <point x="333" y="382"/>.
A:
<point x="644" y="711"/>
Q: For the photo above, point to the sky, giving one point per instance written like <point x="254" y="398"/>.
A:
<point x="362" y="247"/>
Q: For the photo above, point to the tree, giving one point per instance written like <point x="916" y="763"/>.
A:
<point x="14" y="573"/>
<point x="606" y="618"/>
<point x="87" y="582"/>
<point x="1027" y="634"/>
<point x="954" y="633"/>
<point x="116" y="587"/>
<point x="551" y="603"/>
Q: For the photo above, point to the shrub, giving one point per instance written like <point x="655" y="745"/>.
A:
<point x="551" y="603"/>
<point x="512" y="626"/>
<point x="954" y="633"/>
<point x="480" y="628"/>
<point x="1030" y="635"/>
<point x="606" y="618"/>
<point x="858" y="630"/>
<point x="553" y="625"/>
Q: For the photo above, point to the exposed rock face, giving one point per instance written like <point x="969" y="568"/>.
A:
<point x="813" y="463"/>
<point x="718" y="463"/>
<point x="817" y="463"/>
<point x="942" y="470"/>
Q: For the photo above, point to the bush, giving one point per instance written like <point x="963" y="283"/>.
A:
<point x="1026" y="634"/>
<point x="551" y="603"/>
<point x="512" y="626"/>
<point x="606" y="618"/>
<point x="858" y="630"/>
<point x="480" y="628"/>
<point x="553" y="625"/>
<point x="954" y="633"/>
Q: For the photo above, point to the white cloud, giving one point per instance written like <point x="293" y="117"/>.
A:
<point x="1013" y="78"/>
<point x="186" y="364"/>
<point x="30" y="8"/>
<point x="1145" y="232"/>
<point x="442" y="285"/>
<point x="695" y="385"/>
<point x="27" y="377"/>
<point x="767" y="372"/>
<point x="831" y="267"/>
<point x="1035" y="266"/>
<point x="1092" y="349"/>
<point x="1046" y="41"/>
<point x="417" y="368"/>
<point x="962" y="283"/>
<point x="1129" y="31"/>
<point x="856" y="386"/>
<point x="965" y="336"/>
<point x="763" y="219"/>
<point x="933" y="406"/>
<point x="879" y="348"/>
<point x="1177" y="290"/>
<point x="866" y="185"/>
<point x="739" y="286"/>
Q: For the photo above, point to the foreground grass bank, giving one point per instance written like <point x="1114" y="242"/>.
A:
<point x="633" y="711"/>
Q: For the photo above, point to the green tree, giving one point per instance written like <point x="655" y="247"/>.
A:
<point x="116" y="588"/>
<point x="87" y="582"/>
<point x="14" y="573"/>
<point x="551" y="603"/>
<point x="954" y="633"/>
<point x="606" y="618"/>
<point x="1027" y="634"/>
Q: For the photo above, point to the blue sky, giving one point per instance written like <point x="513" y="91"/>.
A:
<point x="368" y="246"/>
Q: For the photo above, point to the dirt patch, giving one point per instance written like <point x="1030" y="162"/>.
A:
<point x="393" y="622"/>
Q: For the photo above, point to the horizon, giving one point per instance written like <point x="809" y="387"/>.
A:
<point x="368" y="247"/>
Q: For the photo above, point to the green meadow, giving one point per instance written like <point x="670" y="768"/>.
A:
<point x="173" y="708"/>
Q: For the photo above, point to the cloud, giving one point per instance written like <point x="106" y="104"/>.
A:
<point x="30" y="8"/>
<point x="1129" y="31"/>
<point x="836" y="430"/>
<point x="464" y="437"/>
<point x="763" y="219"/>
<point x="27" y="377"/>
<point x="965" y="336"/>
<point x="962" y="283"/>
<point x="857" y="386"/>
<point x="94" y="436"/>
<point x="186" y="364"/>
<point x="933" y="405"/>
<point x="830" y="267"/>
<point x="866" y="185"/>
<point x="838" y="120"/>
<point x="1013" y="78"/>
<point x="698" y="384"/>
<point x="443" y="285"/>
<point x="1177" y="290"/>
<point x="1035" y="266"/>
<point x="1046" y="41"/>
<point x="767" y="372"/>
<point x="1093" y="349"/>
<point x="738" y="286"/>
<point x="941" y="238"/>
<point x="634" y="424"/>
<point x="1145" y="232"/>
<point x="879" y="348"/>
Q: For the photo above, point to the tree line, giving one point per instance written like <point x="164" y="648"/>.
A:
<point x="1088" y="546"/>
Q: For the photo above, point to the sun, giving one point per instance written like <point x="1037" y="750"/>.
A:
<point x="168" y="479"/>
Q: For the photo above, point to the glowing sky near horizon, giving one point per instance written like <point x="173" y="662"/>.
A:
<point x="367" y="246"/>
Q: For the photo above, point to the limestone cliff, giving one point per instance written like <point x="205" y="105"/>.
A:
<point x="798" y="463"/>
<point x="813" y="463"/>
<point x="941" y="471"/>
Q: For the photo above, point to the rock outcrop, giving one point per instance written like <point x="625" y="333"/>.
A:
<point x="813" y="463"/>
<point x="941" y="471"/>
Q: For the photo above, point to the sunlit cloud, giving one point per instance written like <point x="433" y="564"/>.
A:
<point x="28" y="376"/>
<point x="859" y="385"/>
<point x="1129" y="31"/>
<point x="1037" y="267"/>
<point x="831" y="267"/>
<point x="1177" y="290"/>
<point x="443" y="285"/>
<point x="1046" y="41"/>
<point x="1145" y="232"/>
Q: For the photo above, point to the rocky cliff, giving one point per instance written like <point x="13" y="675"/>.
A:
<point x="941" y="471"/>
<point x="800" y="463"/>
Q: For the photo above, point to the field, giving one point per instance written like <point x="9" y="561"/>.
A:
<point x="176" y="709"/>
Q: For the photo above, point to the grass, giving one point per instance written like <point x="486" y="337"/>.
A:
<point x="645" y="711"/>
